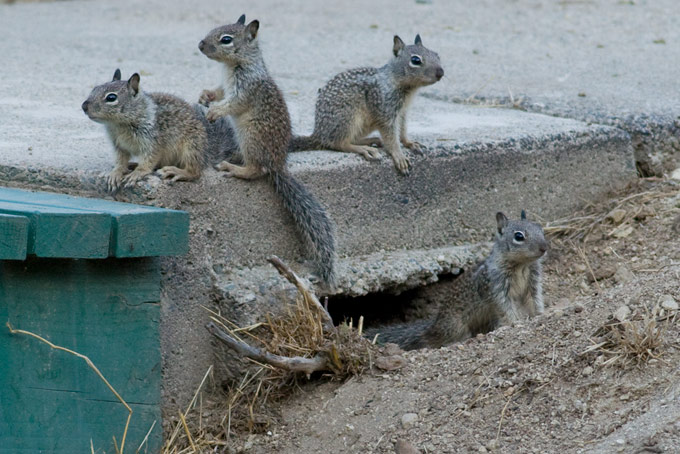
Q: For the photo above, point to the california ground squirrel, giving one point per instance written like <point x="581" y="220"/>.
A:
<point x="498" y="291"/>
<point x="250" y="96"/>
<point x="159" y="129"/>
<point x="358" y="101"/>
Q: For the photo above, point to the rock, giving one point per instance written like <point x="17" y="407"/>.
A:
<point x="587" y="371"/>
<point x="623" y="274"/>
<point x="578" y="308"/>
<point x="601" y="273"/>
<point x="675" y="175"/>
<point x="668" y="302"/>
<point x="622" y="313"/>
<point x="622" y="231"/>
<point x="616" y="216"/>
<point x="404" y="447"/>
<point x="492" y="445"/>
<point x="482" y="449"/>
<point x="676" y="225"/>
<point x="408" y="420"/>
<point x="392" y="349"/>
<point x="393" y="362"/>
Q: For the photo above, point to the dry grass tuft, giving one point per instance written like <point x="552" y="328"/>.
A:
<point x="302" y="331"/>
<point x="616" y="215"/>
<point x="632" y="342"/>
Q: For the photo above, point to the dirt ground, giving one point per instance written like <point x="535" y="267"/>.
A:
<point x="534" y="387"/>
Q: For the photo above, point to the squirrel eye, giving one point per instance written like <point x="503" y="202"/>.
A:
<point x="416" y="60"/>
<point x="519" y="236"/>
<point x="226" y="39"/>
<point x="111" y="97"/>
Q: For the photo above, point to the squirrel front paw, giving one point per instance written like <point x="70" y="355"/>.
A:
<point x="133" y="177"/>
<point x="402" y="163"/>
<point x="207" y="96"/>
<point x="213" y="114"/>
<point x="414" y="146"/>
<point x="114" y="180"/>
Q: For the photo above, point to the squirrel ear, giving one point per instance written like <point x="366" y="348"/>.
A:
<point x="501" y="221"/>
<point x="398" y="46"/>
<point x="133" y="83"/>
<point x="116" y="75"/>
<point x="523" y="216"/>
<point x="418" y="41"/>
<point x="252" y="29"/>
<point x="241" y="20"/>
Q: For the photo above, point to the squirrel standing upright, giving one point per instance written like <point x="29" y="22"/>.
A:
<point x="498" y="291"/>
<point x="251" y="97"/>
<point x="358" y="101"/>
<point x="159" y="129"/>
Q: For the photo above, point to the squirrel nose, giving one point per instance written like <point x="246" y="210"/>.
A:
<point x="440" y="73"/>
<point x="85" y="105"/>
<point x="201" y="45"/>
<point x="543" y="247"/>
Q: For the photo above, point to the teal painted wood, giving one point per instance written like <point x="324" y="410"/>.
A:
<point x="137" y="231"/>
<point x="63" y="232"/>
<point x="52" y="402"/>
<point x="13" y="237"/>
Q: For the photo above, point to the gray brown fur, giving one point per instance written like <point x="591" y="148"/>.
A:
<point x="502" y="289"/>
<point x="160" y="130"/>
<point x="358" y="101"/>
<point x="251" y="97"/>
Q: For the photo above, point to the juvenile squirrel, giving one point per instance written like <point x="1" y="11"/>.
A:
<point x="498" y="291"/>
<point x="159" y="129"/>
<point x="358" y="101"/>
<point x="251" y="97"/>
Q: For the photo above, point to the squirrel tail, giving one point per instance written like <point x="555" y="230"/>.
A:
<point x="408" y="336"/>
<point x="304" y="143"/>
<point x="311" y="220"/>
<point x="222" y="144"/>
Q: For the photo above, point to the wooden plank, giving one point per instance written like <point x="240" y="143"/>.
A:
<point x="138" y="231"/>
<point x="109" y="310"/>
<point x="13" y="237"/>
<point x="60" y="232"/>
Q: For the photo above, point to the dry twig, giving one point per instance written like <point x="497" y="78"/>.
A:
<point x="95" y="369"/>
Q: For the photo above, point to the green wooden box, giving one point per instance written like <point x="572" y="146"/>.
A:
<point x="85" y="275"/>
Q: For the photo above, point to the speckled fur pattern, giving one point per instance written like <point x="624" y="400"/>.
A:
<point x="160" y="130"/>
<point x="501" y="290"/>
<point x="254" y="102"/>
<point x="361" y="100"/>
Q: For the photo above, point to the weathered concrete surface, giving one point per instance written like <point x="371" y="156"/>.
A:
<point x="480" y="161"/>
<point x="537" y="55"/>
<point x="542" y="55"/>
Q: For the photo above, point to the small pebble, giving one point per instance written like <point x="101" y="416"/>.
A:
<point x="404" y="447"/>
<point x="616" y="216"/>
<point x="668" y="302"/>
<point x="622" y="313"/>
<point x="408" y="420"/>
<point x="623" y="275"/>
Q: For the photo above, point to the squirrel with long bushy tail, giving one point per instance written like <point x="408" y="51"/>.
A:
<point x="260" y="115"/>
<point x="498" y="291"/>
